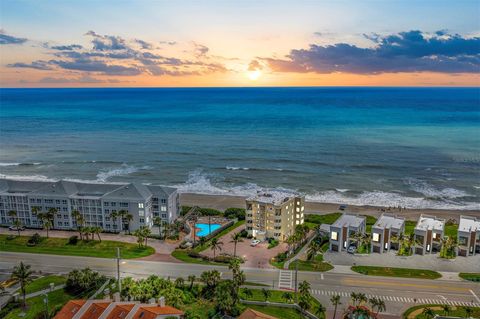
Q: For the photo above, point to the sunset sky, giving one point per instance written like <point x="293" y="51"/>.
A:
<point x="239" y="43"/>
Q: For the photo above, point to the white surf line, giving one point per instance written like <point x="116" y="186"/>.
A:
<point x="476" y="297"/>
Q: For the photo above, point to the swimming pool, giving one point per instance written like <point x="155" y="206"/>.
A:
<point x="205" y="229"/>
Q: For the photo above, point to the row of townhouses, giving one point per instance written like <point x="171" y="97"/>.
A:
<point x="428" y="233"/>
<point x="95" y="201"/>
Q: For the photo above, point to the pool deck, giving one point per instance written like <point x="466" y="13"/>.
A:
<point x="206" y="220"/>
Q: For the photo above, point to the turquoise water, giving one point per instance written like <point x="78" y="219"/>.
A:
<point x="414" y="147"/>
<point x="206" y="230"/>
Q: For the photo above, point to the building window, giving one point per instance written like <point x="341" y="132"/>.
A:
<point x="123" y="204"/>
<point x="141" y="213"/>
<point x="142" y="220"/>
<point x="140" y="205"/>
<point x="163" y="208"/>
<point x="334" y="235"/>
<point x="163" y="201"/>
<point x="375" y="237"/>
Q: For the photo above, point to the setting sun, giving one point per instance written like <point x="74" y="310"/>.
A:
<point x="254" y="75"/>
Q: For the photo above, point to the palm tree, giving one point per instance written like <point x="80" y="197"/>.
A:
<point x="428" y="312"/>
<point x="304" y="287"/>
<point x="380" y="306"/>
<point x="355" y="298"/>
<point x="114" y="216"/>
<point x="248" y="293"/>
<point x="446" y="309"/>
<point x="146" y="233"/>
<point x="191" y="279"/>
<point x="335" y="300"/>
<point x="287" y="296"/>
<point x="157" y="221"/>
<point x="12" y="214"/>
<point x="313" y="250"/>
<point x="23" y="275"/>
<point x="266" y="293"/>
<point x="17" y="223"/>
<point x="79" y="220"/>
<point x="97" y="230"/>
<point x="468" y="311"/>
<point x="127" y="218"/>
<point x="236" y="238"/>
<point x="362" y="298"/>
<point x="320" y="311"/>
<point x="215" y="244"/>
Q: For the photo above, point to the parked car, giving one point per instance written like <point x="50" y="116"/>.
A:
<point x="342" y="207"/>
<point x="15" y="228"/>
<point x="254" y="242"/>
<point x="352" y="249"/>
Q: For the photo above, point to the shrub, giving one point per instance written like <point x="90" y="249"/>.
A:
<point x="223" y="259"/>
<point x="79" y="281"/>
<point x="244" y="233"/>
<point x="209" y="212"/>
<point x="73" y="240"/>
<point x="272" y="243"/>
<point x="281" y="257"/>
<point x="10" y="237"/>
<point x="194" y="254"/>
<point x="233" y="212"/>
<point x="34" y="240"/>
<point x="184" y="210"/>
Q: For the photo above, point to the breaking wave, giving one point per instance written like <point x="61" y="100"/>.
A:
<point x="123" y="170"/>
<point x="201" y="183"/>
<point x="18" y="164"/>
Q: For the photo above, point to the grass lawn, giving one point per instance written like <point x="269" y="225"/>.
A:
<point x="456" y="311"/>
<point x="278" y="312"/>
<point x="44" y="283"/>
<point x="322" y="219"/>
<point x="60" y="246"/>
<point x="472" y="276"/>
<point x="451" y="230"/>
<point x="35" y="305"/>
<point x="409" y="226"/>
<point x="315" y="265"/>
<point x="370" y="222"/>
<point x="200" y="307"/>
<point x="396" y="272"/>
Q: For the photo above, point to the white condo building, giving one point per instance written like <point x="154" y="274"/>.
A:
<point x="94" y="201"/>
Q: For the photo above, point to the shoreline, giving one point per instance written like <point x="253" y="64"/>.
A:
<point x="222" y="202"/>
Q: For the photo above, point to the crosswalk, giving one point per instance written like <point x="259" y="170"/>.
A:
<point x="285" y="279"/>
<point x="399" y="299"/>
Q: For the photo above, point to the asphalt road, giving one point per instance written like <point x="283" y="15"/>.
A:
<point x="398" y="293"/>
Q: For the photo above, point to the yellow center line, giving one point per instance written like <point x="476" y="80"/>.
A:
<point x="397" y="284"/>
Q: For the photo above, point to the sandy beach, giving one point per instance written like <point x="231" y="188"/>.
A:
<point x="221" y="202"/>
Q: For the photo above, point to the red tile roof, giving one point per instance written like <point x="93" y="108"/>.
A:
<point x="95" y="310"/>
<point x="120" y="311"/>
<point x="70" y="309"/>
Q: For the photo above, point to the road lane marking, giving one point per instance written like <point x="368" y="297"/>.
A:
<point x="321" y="276"/>
<point x="476" y="297"/>
<point x="396" y="284"/>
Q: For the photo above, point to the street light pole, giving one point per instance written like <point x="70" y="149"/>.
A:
<point x="118" y="272"/>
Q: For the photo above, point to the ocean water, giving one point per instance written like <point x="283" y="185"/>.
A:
<point x="414" y="147"/>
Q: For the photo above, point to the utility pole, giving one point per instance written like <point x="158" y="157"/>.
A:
<point x="45" y="301"/>
<point x="296" y="280"/>
<point x="118" y="271"/>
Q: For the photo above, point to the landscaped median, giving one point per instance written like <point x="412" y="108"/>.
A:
<point x="471" y="276"/>
<point x="431" y="310"/>
<point x="396" y="272"/>
<point x="61" y="246"/>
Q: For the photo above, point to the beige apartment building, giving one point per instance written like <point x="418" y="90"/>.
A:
<point x="274" y="215"/>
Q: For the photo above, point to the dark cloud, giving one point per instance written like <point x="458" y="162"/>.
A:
<point x="67" y="47"/>
<point x="144" y="44"/>
<point x="10" y="39"/>
<point x="83" y="79"/>
<point x="38" y="65"/>
<point x="411" y="51"/>
<point x="107" y="42"/>
<point x="97" y="66"/>
<point x="114" y="55"/>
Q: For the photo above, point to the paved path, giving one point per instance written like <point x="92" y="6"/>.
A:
<point x="45" y="291"/>
<point x="399" y="293"/>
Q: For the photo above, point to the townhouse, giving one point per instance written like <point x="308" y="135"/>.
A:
<point x="468" y="236"/>
<point x="386" y="228"/>
<point x="428" y="234"/>
<point x="95" y="201"/>
<point x="344" y="228"/>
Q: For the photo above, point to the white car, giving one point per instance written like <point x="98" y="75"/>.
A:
<point x="255" y="242"/>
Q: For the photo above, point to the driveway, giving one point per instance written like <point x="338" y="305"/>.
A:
<point x="163" y="249"/>
<point x="257" y="257"/>
<point x="390" y="259"/>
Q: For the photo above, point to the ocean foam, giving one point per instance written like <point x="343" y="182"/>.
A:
<point x="18" y="164"/>
<point x="125" y="169"/>
<point x="430" y="191"/>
